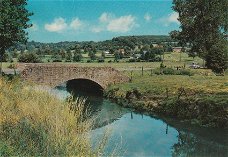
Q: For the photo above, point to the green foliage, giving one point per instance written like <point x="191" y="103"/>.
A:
<point x="77" y="57"/>
<point x="204" y="28"/>
<point x="68" y="56"/>
<point x="92" y="55"/>
<point x="27" y="57"/>
<point x="168" y="71"/>
<point x="117" y="56"/>
<point x="13" y="13"/>
<point x="5" y="57"/>
<point x="100" y="60"/>
<point x="217" y="58"/>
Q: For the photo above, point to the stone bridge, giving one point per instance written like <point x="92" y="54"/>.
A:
<point x="56" y="74"/>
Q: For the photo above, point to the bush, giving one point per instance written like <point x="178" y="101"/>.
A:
<point x="88" y="61"/>
<point x="6" y="58"/>
<point x="101" y="60"/>
<point x="185" y="72"/>
<point x="168" y="71"/>
<point x="67" y="60"/>
<point x="157" y="59"/>
<point x="27" y="57"/>
<point x="57" y="60"/>
<point x="132" y="60"/>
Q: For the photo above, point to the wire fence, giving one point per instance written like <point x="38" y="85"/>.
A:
<point x="136" y="72"/>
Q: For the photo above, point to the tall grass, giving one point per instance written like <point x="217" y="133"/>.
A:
<point x="34" y="123"/>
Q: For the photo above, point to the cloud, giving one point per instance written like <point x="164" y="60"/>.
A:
<point x="108" y="22"/>
<point x="76" y="24"/>
<point x="57" y="25"/>
<point x="34" y="27"/>
<point x="97" y="29"/>
<point x="171" y="18"/>
<point x="147" y="17"/>
<point x="105" y="17"/>
<point x="121" y="24"/>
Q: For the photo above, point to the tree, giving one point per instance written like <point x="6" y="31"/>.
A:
<point x="68" y="56"/>
<point x="204" y="25"/>
<point x="27" y="57"/>
<point x="77" y="57"/>
<point x="103" y="54"/>
<point x="117" y="56"/>
<point x="92" y="55"/>
<point x="13" y="22"/>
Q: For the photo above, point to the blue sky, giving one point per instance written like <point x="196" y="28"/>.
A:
<point x="97" y="20"/>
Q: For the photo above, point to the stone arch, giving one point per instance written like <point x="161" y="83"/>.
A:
<point x="84" y="85"/>
<point x="94" y="80"/>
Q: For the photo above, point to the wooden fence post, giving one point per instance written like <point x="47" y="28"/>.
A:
<point x="131" y="75"/>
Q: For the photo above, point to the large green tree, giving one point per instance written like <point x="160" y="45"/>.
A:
<point x="14" y="19"/>
<point x="204" y="25"/>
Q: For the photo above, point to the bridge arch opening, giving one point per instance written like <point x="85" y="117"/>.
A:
<point x="84" y="86"/>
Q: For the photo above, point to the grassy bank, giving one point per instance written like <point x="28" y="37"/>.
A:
<point x="35" y="123"/>
<point x="199" y="99"/>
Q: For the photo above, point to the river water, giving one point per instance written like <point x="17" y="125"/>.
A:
<point x="139" y="134"/>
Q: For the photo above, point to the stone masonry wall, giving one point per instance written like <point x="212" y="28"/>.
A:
<point x="56" y="74"/>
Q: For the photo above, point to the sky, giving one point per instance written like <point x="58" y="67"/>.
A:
<point x="98" y="20"/>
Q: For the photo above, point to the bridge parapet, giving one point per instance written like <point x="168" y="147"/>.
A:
<point x="56" y="74"/>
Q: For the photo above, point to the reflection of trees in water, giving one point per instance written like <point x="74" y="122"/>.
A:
<point x="189" y="145"/>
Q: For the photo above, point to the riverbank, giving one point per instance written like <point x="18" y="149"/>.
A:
<point x="201" y="100"/>
<point x="36" y="123"/>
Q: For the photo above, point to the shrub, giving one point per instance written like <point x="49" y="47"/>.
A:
<point x="27" y="57"/>
<point x="101" y="60"/>
<point x="132" y="60"/>
<point x="57" y="60"/>
<point x="168" y="71"/>
<point x="185" y="72"/>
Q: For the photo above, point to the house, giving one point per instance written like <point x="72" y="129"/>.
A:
<point x="106" y="52"/>
<point x="121" y="51"/>
<point x="177" y="49"/>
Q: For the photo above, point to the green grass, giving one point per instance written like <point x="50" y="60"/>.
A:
<point x="170" y="60"/>
<point x="157" y="84"/>
<point x="35" y="123"/>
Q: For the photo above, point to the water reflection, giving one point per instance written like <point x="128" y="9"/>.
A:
<point x="143" y="135"/>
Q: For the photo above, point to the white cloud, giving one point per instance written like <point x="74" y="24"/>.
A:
<point x="34" y="27"/>
<point x="171" y="18"/>
<point x="97" y="29"/>
<point x="76" y="24"/>
<point x="105" y="17"/>
<point x="121" y="24"/>
<point x="147" y="17"/>
<point x="57" y="25"/>
<point x="108" y="22"/>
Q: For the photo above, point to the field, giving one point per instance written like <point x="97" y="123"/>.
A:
<point x="203" y="79"/>
<point x="170" y="60"/>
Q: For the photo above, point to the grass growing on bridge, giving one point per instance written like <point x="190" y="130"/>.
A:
<point x="34" y="123"/>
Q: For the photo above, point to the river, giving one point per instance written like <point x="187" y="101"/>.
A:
<point x="140" y="134"/>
